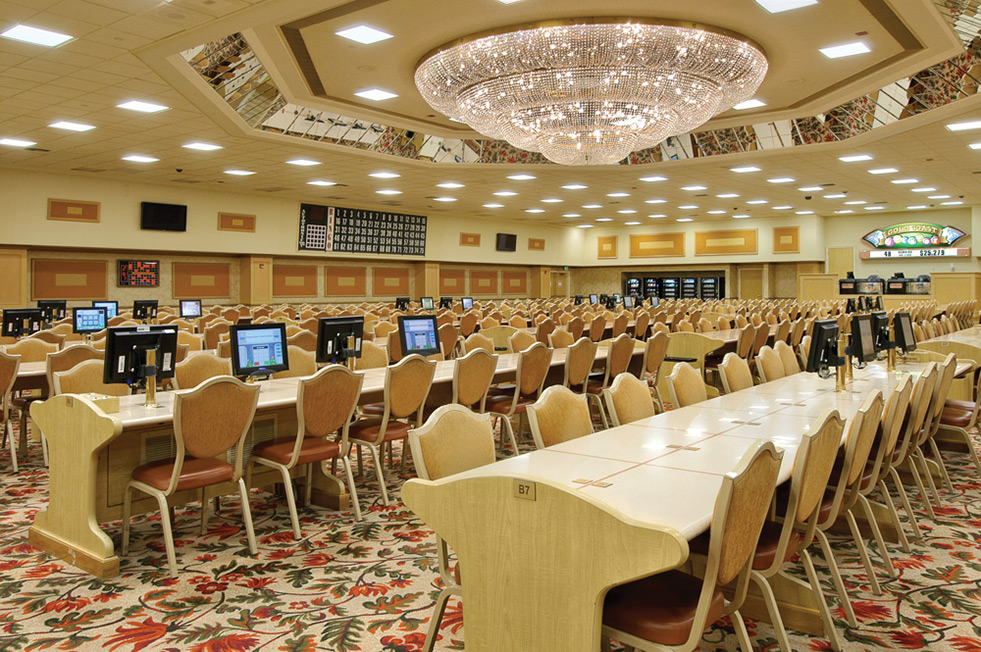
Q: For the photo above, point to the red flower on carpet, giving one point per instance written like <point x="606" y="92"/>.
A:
<point x="211" y="587"/>
<point x="139" y="635"/>
<point x="453" y="617"/>
<point x="909" y="639"/>
<point x="368" y="589"/>
<point x="13" y="563"/>
<point x="42" y="571"/>
<point x="412" y="535"/>
<point x="207" y="557"/>
<point x="318" y="559"/>
<point x="230" y="643"/>
<point x="913" y="561"/>
<point x="820" y="645"/>
<point x="410" y="643"/>
<point x="870" y="611"/>
<point x="67" y="604"/>
<point x="105" y="597"/>
<point x="966" y="643"/>
<point x="285" y="553"/>
<point x="258" y="582"/>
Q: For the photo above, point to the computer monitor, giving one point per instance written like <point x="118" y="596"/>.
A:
<point x="190" y="308"/>
<point x="616" y="298"/>
<point x="823" y="353"/>
<point x="593" y="298"/>
<point x="52" y="310"/>
<point x="655" y="302"/>
<point x="112" y="307"/>
<point x="850" y="306"/>
<point x="863" y="342"/>
<point x="419" y="334"/>
<point x="21" y="321"/>
<point x="880" y="331"/>
<point x="89" y="320"/>
<point x="402" y="303"/>
<point x="126" y="350"/>
<point x="332" y="338"/>
<point x="467" y="303"/>
<point x="905" y="337"/>
<point x="628" y="303"/>
<point x="578" y="300"/>
<point x="878" y="303"/>
<point x="426" y="303"/>
<point x="145" y="309"/>
<point x="446" y="302"/>
<point x="258" y="349"/>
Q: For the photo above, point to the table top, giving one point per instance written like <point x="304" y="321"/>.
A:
<point x="966" y="336"/>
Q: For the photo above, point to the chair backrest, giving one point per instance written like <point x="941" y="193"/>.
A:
<point x="560" y="338"/>
<point x="813" y="466"/>
<point x="305" y="340"/>
<point x="618" y="357"/>
<point x="452" y="440"/>
<point x="735" y="373"/>
<point x="576" y="327"/>
<point x="597" y="328"/>
<point x="769" y="365"/>
<point x="791" y="365"/>
<point x="372" y="356"/>
<point x="861" y="436"/>
<point x="194" y="342"/>
<point x="518" y="321"/>
<point x="762" y="334"/>
<point x="628" y="399"/>
<point x="796" y="333"/>
<point x="472" y="377"/>
<point x="723" y="323"/>
<point x="533" y="364"/>
<point x="383" y="328"/>
<point x="559" y="415"/>
<point x="705" y="326"/>
<point x="620" y="324"/>
<point x="325" y="402"/>
<point x="894" y="416"/>
<point x="31" y="350"/>
<point x="86" y="377"/>
<point x="51" y="337"/>
<point x="783" y="331"/>
<point x="468" y="323"/>
<point x="661" y="327"/>
<point x="685" y="326"/>
<point x="500" y="335"/>
<point x="407" y="385"/>
<point x="741" y="321"/>
<point x="302" y="363"/>
<point x="478" y="341"/>
<point x="642" y="325"/>
<point x="198" y="368"/>
<point x="544" y="329"/>
<point x="654" y="351"/>
<point x="489" y="322"/>
<point x="579" y="362"/>
<point x="9" y="365"/>
<point x="946" y="371"/>
<point x="686" y="386"/>
<point x="394" y="346"/>
<point x="67" y="358"/>
<point x="744" y="344"/>
<point x="448" y="336"/>
<point x="520" y="341"/>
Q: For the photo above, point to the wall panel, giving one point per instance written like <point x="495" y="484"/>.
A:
<point x="346" y="282"/>
<point x="606" y="246"/>
<point x="202" y="280"/>
<point x="452" y="282"/>
<point x="514" y="282"/>
<point x="294" y="280"/>
<point x="483" y="282"/>
<point x="390" y="281"/>
<point x="657" y="244"/>
<point x="728" y="242"/>
<point x="786" y="239"/>
<point x="69" y="279"/>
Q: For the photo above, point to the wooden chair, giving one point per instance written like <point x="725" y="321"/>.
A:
<point x="31" y="349"/>
<point x="478" y="341"/>
<point x="303" y="340"/>
<point x="597" y="328"/>
<point x="575" y="327"/>
<point x="655" y="350"/>
<point x="394" y="347"/>
<point x="500" y="335"/>
<point x="51" y="337"/>
<point x="686" y="386"/>
<point x="685" y="326"/>
<point x="213" y="333"/>
<point x="520" y="341"/>
<point x="791" y="365"/>
<point x="959" y="419"/>
<point x="560" y="338"/>
<point x="796" y="333"/>
<point x="533" y="364"/>
<point x="194" y="342"/>
<point x="9" y="365"/>
<point x="209" y="420"/>
<point x="932" y="425"/>
<point x="762" y="336"/>
<point x="620" y="324"/>
<point x="628" y="399"/>
<point x="468" y="324"/>
<point x="559" y="415"/>
<point x="199" y="368"/>
<point x="407" y="384"/>
<point x="383" y="328"/>
<point x="769" y="366"/>
<point x="642" y="326"/>
<point x="453" y="440"/>
<point x="224" y="349"/>
<point x="372" y="357"/>
<point x="489" y="322"/>
<point x="723" y="323"/>
<point x="619" y="353"/>
<point x="449" y="338"/>
<point x="302" y="363"/>
<point x="472" y="378"/>
<point x="735" y="374"/>
<point x="544" y="329"/>
<point x="705" y="326"/>
<point x="325" y="403"/>
<point x="518" y="321"/>
<point x="86" y="377"/>
<point x="671" y="610"/>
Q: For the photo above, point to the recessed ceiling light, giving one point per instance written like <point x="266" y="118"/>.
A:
<point x="552" y="200"/>
<point x="618" y="194"/>
<point x="320" y="182"/>
<point x="782" y="208"/>
<point x="534" y="210"/>
<point x="717" y="212"/>
<point x="741" y="216"/>
<point x="384" y="175"/>
<point x="572" y="215"/>
<point x="845" y="50"/>
<point x="493" y="205"/>
<point x="803" y="212"/>
<point x="508" y="2"/>
<point x="654" y="178"/>
<point x="142" y="107"/>
<point x="657" y="215"/>
<point x="855" y="202"/>
<point x="758" y="201"/>
<point x="951" y="203"/>
<point x="575" y="186"/>
<point x="581" y="226"/>
<point x="883" y="171"/>
<point x="631" y="223"/>
<point x="388" y="191"/>
<point x="693" y="188"/>
<point x="781" y="180"/>
<point x="749" y="104"/>
<point x="811" y="189"/>
<point x="202" y="147"/>
<point x="627" y="211"/>
<point x="904" y="181"/>
<point x="854" y="158"/>
<point x="449" y="184"/>
<point x="35" y="35"/>
<point x="683" y="219"/>
<point x="592" y="206"/>
<point x="844" y="212"/>
<point x="913" y="208"/>
<point x="875" y="208"/>
<point x="14" y="142"/>
<point x="728" y="195"/>
<point x="505" y="193"/>
<point x="975" y="145"/>
<point x="604" y="219"/>
<point x="656" y="201"/>
<point x="688" y="207"/>
<point x="302" y="162"/>
<point x="240" y="173"/>
<point x="742" y="169"/>
<point x="964" y="126"/>
<point x="777" y="6"/>
<point x="71" y="126"/>
<point x="521" y="177"/>
<point x="364" y="34"/>
<point x="376" y="94"/>
<point x="136" y="158"/>
<point x="837" y="195"/>
<point x="927" y="189"/>
<point x="454" y="199"/>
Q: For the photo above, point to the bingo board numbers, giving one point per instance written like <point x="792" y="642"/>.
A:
<point x="139" y="273"/>
<point x="330" y="228"/>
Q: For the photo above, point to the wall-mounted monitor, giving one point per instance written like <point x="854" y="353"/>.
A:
<point x="507" y="242"/>
<point x="163" y="217"/>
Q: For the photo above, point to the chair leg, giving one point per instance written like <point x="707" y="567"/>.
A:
<point x="839" y="585"/>
<point x="247" y="516"/>
<point x="829" y="624"/>
<point x="309" y="486"/>
<point x="911" y="463"/>
<point x="360" y="462"/>
<point x="290" y="500"/>
<point x="204" y="513"/>
<point x="863" y="552"/>
<point x="507" y="423"/>
<point x="740" y="626"/>
<point x="771" y="608"/>
<point x="379" y="472"/>
<point x="894" y="515"/>
<point x="127" y="510"/>
<point x="165" y="521"/>
<point x="44" y="449"/>
<point x="910" y="514"/>
<point x="355" y="503"/>
<point x="877" y="535"/>
<point x="436" y="619"/>
<point x="942" y="465"/>
<point x="9" y="431"/>
<point x="404" y="454"/>
<point x="925" y="467"/>
<point x="969" y="441"/>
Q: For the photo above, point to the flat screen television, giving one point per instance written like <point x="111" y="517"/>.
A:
<point x="628" y="303"/>
<point x="112" y="307"/>
<point x="258" y="349"/>
<point x="593" y="298"/>
<point x="163" y="217"/>
<point x="419" y="334"/>
<point x="446" y="302"/>
<point x="89" y="320"/>
<point x="145" y="309"/>
<point x="507" y="242"/>
<point x="332" y="338"/>
<point x="880" y="330"/>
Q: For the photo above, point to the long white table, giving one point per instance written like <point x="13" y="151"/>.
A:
<point x="541" y="537"/>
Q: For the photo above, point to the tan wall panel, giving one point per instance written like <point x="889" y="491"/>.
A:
<point x="841" y="260"/>
<point x="69" y="279"/>
<point x="711" y="243"/>
<point x="469" y="239"/>
<point x="657" y="244"/>
<point x="13" y="271"/>
<point x="70" y="210"/>
<point x="295" y="280"/>
<point x="606" y="246"/>
<point x="536" y="244"/>
<point x="390" y="281"/>
<point x="452" y="282"/>
<point x="236" y="222"/>
<point x="347" y="281"/>
<point x="786" y="239"/>
<point x="816" y="287"/>
<point x="515" y="282"/>
<point x="200" y="280"/>
<point x="751" y="283"/>
<point x="483" y="282"/>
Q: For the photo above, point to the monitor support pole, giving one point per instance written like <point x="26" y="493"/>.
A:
<point x="848" y="358"/>
<point x="891" y="355"/>
<point x="840" y="369"/>
<point x="151" y="379"/>
<point x="350" y="347"/>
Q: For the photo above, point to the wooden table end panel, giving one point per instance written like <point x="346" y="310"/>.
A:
<point x="537" y="559"/>
<point x="76" y="431"/>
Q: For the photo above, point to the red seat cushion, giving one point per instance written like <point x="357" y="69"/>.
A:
<point x="826" y="502"/>
<point x="659" y="608"/>
<point x="502" y="404"/>
<point x="373" y="409"/>
<point x="368" y="429"/>
<point x="956" y="418"/>
<point x="313" y="449"/>
<point x="766" y="547"/>
<point x="964" y="406"/>
<point x="195" y="473"/>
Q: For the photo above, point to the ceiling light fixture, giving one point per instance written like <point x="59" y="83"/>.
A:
<point x="571" y="215"/>
<point x="938" y="196"/>
<point x="811" y="189"/>
<point x="202" y="147"/>
<point x="653" y="179"/>
<point x="618" y="194"/>
<point x="581" y="226"/>
<point x="757" y="201"/>
<point x="364" y="34"/>
<point x="15" y="142"/>
<point x="552" y="200"/>
<point x="592" y="206"/>
<point x="589" y="93"/>
<point x="575" y="186"/>
<point x="913" y="208"/>
<point x="321" y="182"/>
<point x="854" y="158"/>
<point x="505" y="193"/>
<point x="743" y="169"/>
<point x="142" y="107"/>
<point x="627" y="211"/>
<point x="717" y="212"/>
<point x="777" y="6"/>
<point x="927" y="189"/>
<point x="384" y="175"/>
<point x="657" y="216"/>
<point x="71" y="126"/>
<point x="964" y="126"/>
<point x="904" y="181"/>
<point x="302" y="162"/>
<point x="449" y="184"/>
<point x="749" y="104"/>
<point x="604" y="219"/>
<point x="781" y="180"/>
<point x="741" y="216"/>
<point x="975" y="145"/>
<point x="688" y="207"/>
<point x="803" y="212"/>
<point x="240" y="173"/>
<point x="782" y="208"/>
<point x="855" y="202"/>
<point x="493" y="205"/>
<point x="727" y="195"/>
<point x="883" y="171"/>
<point x="137" y="158"/>
<point x="656" y="201"/>
<point x="693" y="188"/>
<point x="454" y="199"/>
<point x="35" y="35"/>
<point x="534" y="210"/>
<point x="845" y="50"/>
<point x="837" y="195"/>
<point x="376" y="94"/>
<point x="951" y="203"/>
<point x="388" y="191"/>
<point x="522" y="177"/>
<point x="631" y="223"/>
<point x="683" y="219"/>
<point x="875" y="208"/>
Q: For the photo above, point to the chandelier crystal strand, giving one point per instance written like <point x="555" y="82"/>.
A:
<point x="591" y="93"/>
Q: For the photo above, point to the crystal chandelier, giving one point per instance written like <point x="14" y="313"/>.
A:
<point x="590" y="91"/>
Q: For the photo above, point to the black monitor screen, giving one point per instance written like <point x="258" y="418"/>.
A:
<point x="258" y="349"/>
<point x="21" y="321"/>
<point x="126" y="350"/>
<point x="628" y="303"/>
<point x="593" y="298"/>
<point x="426" y="302"/>
<point x="144" y="309"/>
<point x="446" y="302"/>
<point x="905" y="337"/>
<point x="467" y="302"/>
<point x="578" y="300"/>
<point x="824" y="347"/>
<point x="880" y="331"/>
<point x="863" y="341"/>
<point x="401" y="303"/>
<point x="52" y="310"/>
<point x="112" y="307"/>
<point x="190" y="308"/>
<point x="88" y="320"/>
<point x="332" y="338"/>
<point x="419" y="334"/>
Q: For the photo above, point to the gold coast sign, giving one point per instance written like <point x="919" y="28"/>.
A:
<point x="914" y="235"/>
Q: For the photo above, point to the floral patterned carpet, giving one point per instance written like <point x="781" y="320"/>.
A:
<point x="371" y="585"/>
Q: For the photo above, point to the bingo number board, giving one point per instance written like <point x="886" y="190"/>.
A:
<point x="331" y="228"/>
<point x="139" y="273"/>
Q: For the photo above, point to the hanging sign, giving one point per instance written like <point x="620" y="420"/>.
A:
<point x="914" y="235"/>
<point x="945" y="252"/>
